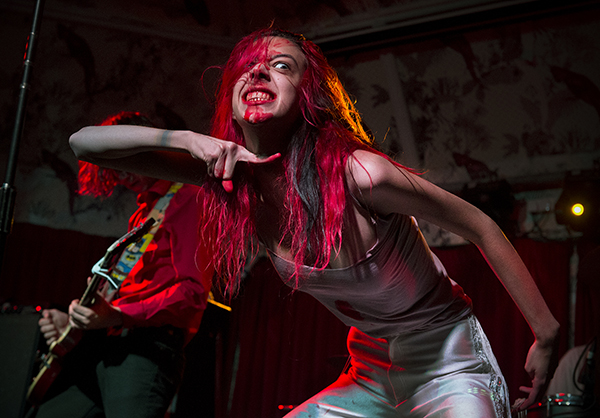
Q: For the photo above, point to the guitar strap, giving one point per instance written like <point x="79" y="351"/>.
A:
<point x="134" y="252"/>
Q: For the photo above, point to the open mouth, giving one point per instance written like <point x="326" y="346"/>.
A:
<point x="259" y="96"/>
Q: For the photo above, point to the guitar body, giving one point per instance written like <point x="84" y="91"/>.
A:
<point x="67" y="341"/>
<point x="51" y="364"/>
<point x="49" y="370"/>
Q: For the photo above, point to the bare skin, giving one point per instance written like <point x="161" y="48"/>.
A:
<point x="190" y="157"/>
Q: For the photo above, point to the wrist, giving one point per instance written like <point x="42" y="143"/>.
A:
<point x="548" y="336"/>
<point x="175" y="140"/>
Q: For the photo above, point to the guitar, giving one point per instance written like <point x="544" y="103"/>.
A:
<point x="51" y="363"/>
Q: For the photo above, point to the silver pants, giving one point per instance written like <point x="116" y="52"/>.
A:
<point x="447" y="372"/>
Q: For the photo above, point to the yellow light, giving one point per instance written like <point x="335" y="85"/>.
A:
<point x="577" y="209"/>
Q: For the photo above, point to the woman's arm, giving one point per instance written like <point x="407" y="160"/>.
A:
<point x="388" y="189"/>
<point x="183" y="156"/>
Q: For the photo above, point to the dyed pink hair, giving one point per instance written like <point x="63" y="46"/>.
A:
<point x="99" y="181"/>
<point x="331" y="130"/>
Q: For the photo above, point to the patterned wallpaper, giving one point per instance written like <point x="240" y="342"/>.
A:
<point x="508" y="103"/>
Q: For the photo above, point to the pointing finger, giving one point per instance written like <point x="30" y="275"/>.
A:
<point x="264" y="160"/>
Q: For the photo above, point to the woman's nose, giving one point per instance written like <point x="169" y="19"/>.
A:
<point x="259" y="71"/>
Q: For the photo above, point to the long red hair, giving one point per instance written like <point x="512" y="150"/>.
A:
<point x="330" y="131"/>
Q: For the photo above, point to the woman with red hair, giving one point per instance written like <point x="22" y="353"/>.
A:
<point x="289" y="164"/>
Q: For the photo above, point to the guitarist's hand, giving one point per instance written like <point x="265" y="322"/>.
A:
<point x="100" y="315"/>
<point x="52" y="324"/>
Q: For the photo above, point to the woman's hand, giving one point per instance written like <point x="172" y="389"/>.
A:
<point x="222" y="156"/>
<point x="540" y="365"/>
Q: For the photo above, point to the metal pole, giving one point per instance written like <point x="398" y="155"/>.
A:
<point x="7" y="191"/>
<point x="573" y="271"/>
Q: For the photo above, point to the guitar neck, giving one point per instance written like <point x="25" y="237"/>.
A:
<point x="90" y="292"/>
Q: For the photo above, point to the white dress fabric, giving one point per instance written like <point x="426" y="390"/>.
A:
<point x="415" y="348"/>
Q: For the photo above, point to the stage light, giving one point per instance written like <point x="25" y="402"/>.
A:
<point x="578" y="206"/>
<point x="577" y="209"/>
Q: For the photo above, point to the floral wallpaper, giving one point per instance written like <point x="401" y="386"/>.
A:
<point x="510" y="103"/>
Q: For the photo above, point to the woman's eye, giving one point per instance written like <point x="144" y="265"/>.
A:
<point x="281" y="65"/>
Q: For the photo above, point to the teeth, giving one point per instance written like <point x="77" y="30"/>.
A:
<point x="256" y="96"/>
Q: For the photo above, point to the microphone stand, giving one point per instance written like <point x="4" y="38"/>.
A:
<point x="589" y="376"/>
<point x="7" y="191"/>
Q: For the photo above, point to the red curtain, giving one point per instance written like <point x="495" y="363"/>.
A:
<point x="588" y="292"/>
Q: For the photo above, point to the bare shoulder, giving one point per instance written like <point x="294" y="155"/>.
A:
<point x="366" y="170"/>
<point x="389" y="187"/>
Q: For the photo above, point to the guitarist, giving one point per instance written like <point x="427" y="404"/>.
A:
<point x="130" y="360"/>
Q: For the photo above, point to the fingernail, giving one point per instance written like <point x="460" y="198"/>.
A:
<point x="228" y="185"/>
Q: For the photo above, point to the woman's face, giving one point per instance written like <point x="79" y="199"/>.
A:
<point x="268" y="91"/>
